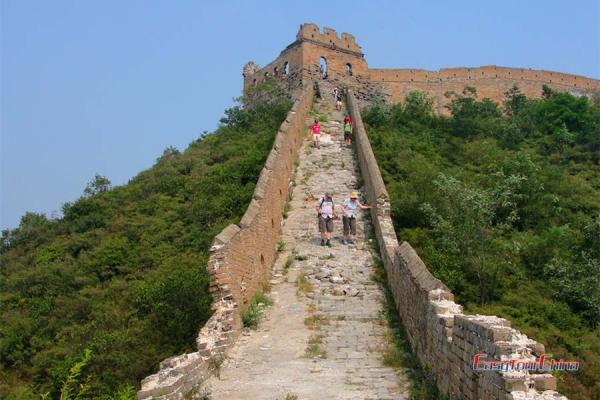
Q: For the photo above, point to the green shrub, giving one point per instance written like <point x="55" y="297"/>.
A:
<point x="253" y="313"/>
<point x="503" y="206"/>
<point x="122" y="273"/>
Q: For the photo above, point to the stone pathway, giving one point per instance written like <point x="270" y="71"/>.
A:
<point x="325" y="334"/>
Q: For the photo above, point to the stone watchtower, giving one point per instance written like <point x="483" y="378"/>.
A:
<point x="313" y="55"/>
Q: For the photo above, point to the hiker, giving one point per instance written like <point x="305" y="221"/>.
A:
<point x="335" y="94"/>
<point x="326" y="214"/>
<point x="349" y="207"/>
<point x="338" y="103"/>
<point x="347" y="132"/>
<point x="348" y="118"/>
<point x="316" y="133"/>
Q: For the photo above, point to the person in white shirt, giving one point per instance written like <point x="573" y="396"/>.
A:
<point x="326" y="212"/>
<point x="349" y="208"/>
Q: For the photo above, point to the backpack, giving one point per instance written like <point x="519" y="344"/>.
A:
<point x="332" y="205"/>
<point x="323" y="201"/>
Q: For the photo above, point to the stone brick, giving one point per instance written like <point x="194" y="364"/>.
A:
<point x="544" y="382"/>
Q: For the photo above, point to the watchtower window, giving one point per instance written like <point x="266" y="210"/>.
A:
<point x="276" y="71"/>
<point x="348" y="69"/>
<point x="267" y="75"/>
<point x="286" y="68"/>
<point x="254" y="82"/>
<point x="323" y="68"/>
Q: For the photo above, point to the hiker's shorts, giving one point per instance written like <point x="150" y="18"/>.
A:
<point x="349" y="225"/>
<point x="315" y="137"/>
<point x="325" y="224"/>
<point x="347" y="136"/>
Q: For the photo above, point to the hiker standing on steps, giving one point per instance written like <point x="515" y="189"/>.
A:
<point x="326" y="214"/>
<point x="316" y="133"/>
<point x="349" y="207"/>
<point x="338" y="103"/>
<point x="347" y="131"/>
<point x="335" y="93"/>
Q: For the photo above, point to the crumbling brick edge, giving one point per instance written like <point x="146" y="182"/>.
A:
<point x="443" y="337"/>
<point x="240" y="259"/>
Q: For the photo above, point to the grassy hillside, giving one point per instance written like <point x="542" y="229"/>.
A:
<point x="122" y="273"/>
<point x="503" y="204"/>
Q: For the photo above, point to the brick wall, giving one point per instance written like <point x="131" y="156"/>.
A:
<point x="443" y="337"/>
<point x="490" y="81"/>
<point x="241" y="256"/>
<point x="304" y="54"/>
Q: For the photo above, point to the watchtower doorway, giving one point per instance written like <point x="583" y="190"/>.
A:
<point x="323" y="68"/>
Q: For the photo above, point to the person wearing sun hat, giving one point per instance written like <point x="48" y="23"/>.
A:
<point x="349" y="207"/>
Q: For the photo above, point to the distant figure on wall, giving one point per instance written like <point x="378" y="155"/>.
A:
<point x="316" y="133"/>
<point x="335" y="93"/>
<point x="347" y="132"/>
<point x="323" y="72"/>
<point x="338" y="103"/>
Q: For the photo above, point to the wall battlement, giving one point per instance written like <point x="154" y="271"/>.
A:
<point x="484" y="72"/>
<point x="346" y="67"/>
<point x="329" y="38"/>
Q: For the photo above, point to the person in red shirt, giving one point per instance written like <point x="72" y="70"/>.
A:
<point x="348" y="119"/>
<point x="316" y="133"/>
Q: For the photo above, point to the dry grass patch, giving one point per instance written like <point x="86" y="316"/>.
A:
<point x="315" y="322"/>
<point x="304" y="286"/>
<point x="288" y="263"/>
<point x="314" y="349"/>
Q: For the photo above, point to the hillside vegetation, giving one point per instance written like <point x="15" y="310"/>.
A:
<point x="92" y="301"/>
<point x="503" y="204"/>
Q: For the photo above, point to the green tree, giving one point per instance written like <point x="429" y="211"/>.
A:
<point x="471" y="117"/>
<point x="123" y="272"/>
<point x="97" y="185"/>
<point x="462" y="220"/>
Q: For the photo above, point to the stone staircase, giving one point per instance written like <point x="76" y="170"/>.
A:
<point x="325" y="334"/>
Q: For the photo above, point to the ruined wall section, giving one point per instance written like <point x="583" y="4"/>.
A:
<point x="286" y="69"/>
<point x="490" y="81"/>
<point x="240" y="259"/>
<point x="443" y="337"/>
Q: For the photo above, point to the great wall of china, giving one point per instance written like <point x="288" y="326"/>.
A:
<point x="444" y="338"/>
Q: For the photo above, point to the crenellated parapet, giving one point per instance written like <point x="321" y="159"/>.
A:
<point x="490" y="81"/>
<point x="325" y="55"/>
<point x="329" y="38"/>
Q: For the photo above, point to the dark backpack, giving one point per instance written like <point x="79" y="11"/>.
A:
<point x="323" y="201"/>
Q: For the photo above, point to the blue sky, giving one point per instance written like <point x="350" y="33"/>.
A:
<point x="105" y="86"/>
